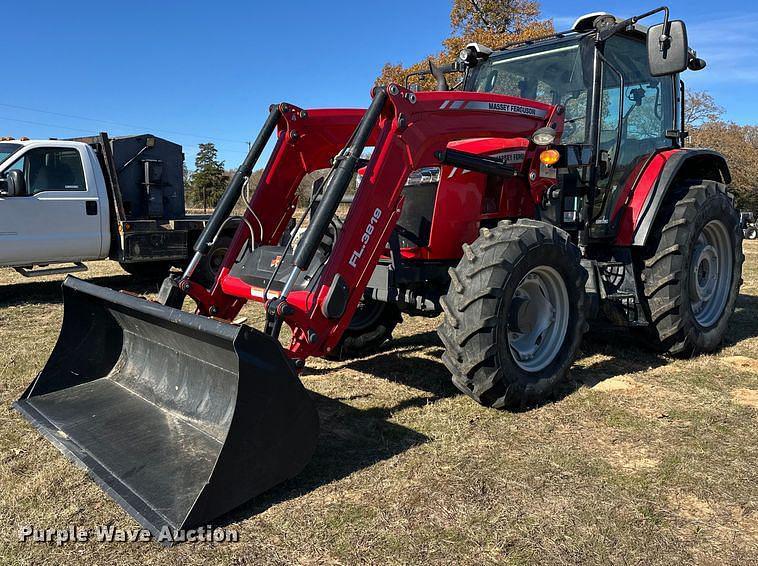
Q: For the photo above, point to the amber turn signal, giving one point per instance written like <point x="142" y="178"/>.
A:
<point x="549" y="157"/>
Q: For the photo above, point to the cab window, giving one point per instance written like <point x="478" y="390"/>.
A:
<point x="553" y="75"/>
<point x="8" y="149"/>
<point x="647" y="112"/>
<point x="51" y="169"/>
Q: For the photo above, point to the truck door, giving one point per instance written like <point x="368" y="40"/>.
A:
<point x="59" y="217"/>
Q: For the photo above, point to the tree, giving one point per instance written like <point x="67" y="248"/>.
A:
<point x="699" y="108"/>
<point x="739" y="144"/>
<point x="489" y="22"/>
<point x="186" y="177"/>
<point x="208" y="181"/>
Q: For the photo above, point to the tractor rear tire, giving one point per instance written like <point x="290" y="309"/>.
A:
<point x="514" y="314"/>
<point x="692" y="269"/>
<point x="371" y="326"/>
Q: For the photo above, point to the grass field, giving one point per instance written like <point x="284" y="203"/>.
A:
<point x="643" y="460"/>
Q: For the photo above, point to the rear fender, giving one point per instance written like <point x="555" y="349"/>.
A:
<point x="663" y="171"/>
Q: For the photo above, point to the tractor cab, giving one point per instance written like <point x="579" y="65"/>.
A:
<point x="618" y="84"/>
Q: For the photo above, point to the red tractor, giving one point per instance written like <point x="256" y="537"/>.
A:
<point x="549" y="189"/>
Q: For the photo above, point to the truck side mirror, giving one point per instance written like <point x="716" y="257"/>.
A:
<point x="667" y="51"/>
<point x="15" y="184"/>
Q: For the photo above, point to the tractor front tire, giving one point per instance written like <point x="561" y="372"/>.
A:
<point x="371" y="326"/>
<point x="692" y="269"/>
<point x="514" y="314"/>
<point x="210" y="265"/>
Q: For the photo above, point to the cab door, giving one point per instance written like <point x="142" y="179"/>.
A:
<point x="59" y="217"/>
<point x="633" y="125"/>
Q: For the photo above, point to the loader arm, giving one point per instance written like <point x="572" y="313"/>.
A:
<point x="306" y="141"/>
<point x="408" y="130"/>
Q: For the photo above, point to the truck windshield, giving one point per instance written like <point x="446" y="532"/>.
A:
<point x="8" y="149"/>
<point x="552" y="75"/>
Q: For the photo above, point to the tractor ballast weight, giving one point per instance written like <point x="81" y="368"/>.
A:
<point x="178" y="417"/>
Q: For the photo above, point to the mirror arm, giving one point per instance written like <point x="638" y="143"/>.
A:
<point x="614" y="29"/>
<point x="454" y="67"/>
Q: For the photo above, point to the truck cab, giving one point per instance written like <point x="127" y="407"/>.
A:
<point x="65" y="202"/>
<point x="53" y="203"/>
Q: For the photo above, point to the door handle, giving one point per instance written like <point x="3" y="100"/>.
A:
<point x="91" y="207"/>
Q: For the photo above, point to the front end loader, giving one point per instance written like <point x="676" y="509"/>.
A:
<point x="550" y="189"/>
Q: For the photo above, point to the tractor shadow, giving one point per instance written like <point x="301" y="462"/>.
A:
<point x="353" y="439"/>
<point x="621" y="351"/>
<point x="49" y="292"/>
<point x="350" y="440"/>
<point x="397" y="362"/>
<point x="744" y="321"/>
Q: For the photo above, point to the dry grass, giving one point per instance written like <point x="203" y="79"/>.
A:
<point x="644" y="460"/>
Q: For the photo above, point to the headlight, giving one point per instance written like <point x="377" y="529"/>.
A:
<point x="418" y="177"/>
<point x="544" y="136"/>
<point x="423" y="176"/>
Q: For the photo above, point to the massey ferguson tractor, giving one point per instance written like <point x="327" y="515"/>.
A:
<point x="550" y="188"/>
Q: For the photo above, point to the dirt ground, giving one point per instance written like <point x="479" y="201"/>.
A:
<point x="643" y="460"/>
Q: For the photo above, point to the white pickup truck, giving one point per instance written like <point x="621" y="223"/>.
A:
<point x="64" y="202"/>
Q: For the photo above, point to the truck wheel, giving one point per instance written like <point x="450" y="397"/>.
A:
<point x="514" y="314"/>
<point x="371" y="326"/>
<point x="207" y="270"/>
<point x="147" y="270"/>
<point x="692" y="268"/>
<point x="751" y="233"/>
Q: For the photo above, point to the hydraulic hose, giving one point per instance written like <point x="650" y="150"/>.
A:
<point x="343" y="173"/>
<point x="234" y="189"/>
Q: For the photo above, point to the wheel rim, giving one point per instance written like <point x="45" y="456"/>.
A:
<point x="711" y="273"/>
<point x="538" y="319"/>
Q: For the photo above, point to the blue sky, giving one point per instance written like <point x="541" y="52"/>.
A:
<point x="196" y="71"/>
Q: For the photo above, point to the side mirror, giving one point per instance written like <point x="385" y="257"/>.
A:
<point x="15" y="184"/>
<point x="667" y="52"/>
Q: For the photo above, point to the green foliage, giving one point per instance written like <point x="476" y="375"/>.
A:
<point x="207" y="183"/>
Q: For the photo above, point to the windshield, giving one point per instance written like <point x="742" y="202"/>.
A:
<point x="8" y="149"/>
<point x="552" y="75"/>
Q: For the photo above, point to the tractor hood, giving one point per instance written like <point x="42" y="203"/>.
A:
<point x="426" y="118"/>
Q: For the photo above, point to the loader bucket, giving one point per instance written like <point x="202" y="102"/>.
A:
<point x="179" y="418"/>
